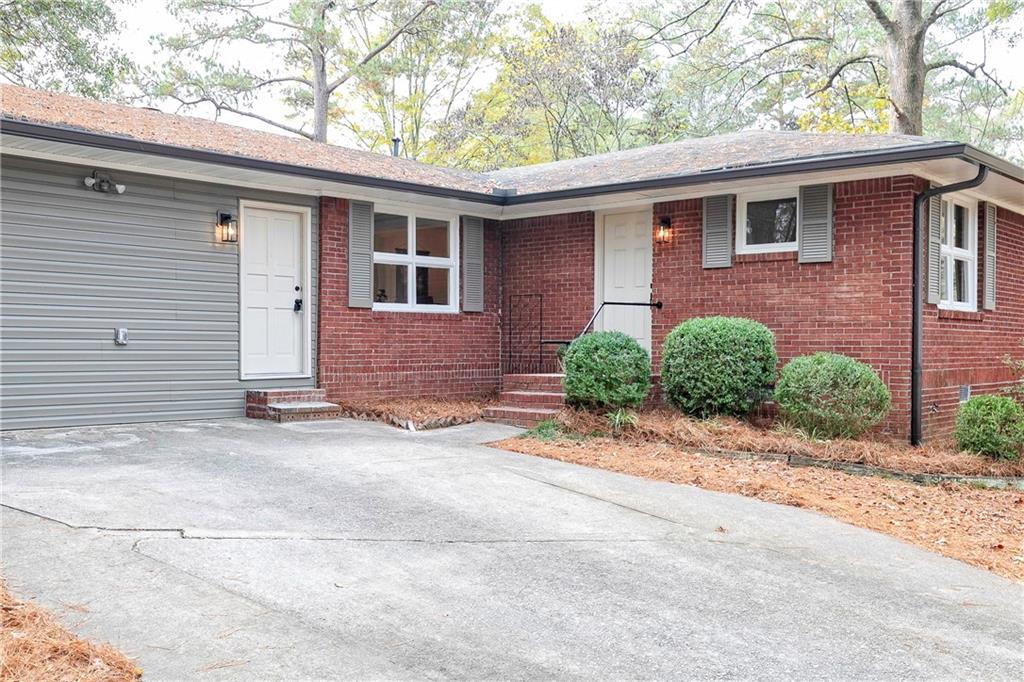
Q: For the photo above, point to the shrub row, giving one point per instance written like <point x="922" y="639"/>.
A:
<point x="726" y="366"/>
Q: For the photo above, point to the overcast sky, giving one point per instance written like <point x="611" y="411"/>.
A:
<point x="146" y="18"/>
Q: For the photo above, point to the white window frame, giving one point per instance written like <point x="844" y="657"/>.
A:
<point x="741" y="220"/>
<point x="411" y="260"/>
<point x="950" y="253"/>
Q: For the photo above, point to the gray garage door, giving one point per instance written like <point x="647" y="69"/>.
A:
<point x="76" y="264"/>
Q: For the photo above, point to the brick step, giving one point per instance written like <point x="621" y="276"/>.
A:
<point x="258" y="399"/>
<point x="302" y="411"/>
<point x="532" y="399"/>
<point x="523" y="417"/>
<point x="550" y="383"/>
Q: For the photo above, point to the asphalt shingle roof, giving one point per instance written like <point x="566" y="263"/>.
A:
<point x="683" y="158"/>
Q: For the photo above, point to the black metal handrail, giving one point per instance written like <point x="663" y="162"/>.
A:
<point x="593" y="318"/>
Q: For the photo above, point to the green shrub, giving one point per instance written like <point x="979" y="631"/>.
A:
<point x="606" y="370"/>
<point x="718" y="365"/>
<point x="831" y="396"/>
<point x="991" y="425"/>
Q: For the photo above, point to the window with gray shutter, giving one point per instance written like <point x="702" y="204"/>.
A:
<point x="934" y="265"/>
<point x="990" y="256"/>
<point x="360" y="255"/>
<point x="814" y="227"/>
<point x="718" y="226"/>
<point x="472" y="264"/>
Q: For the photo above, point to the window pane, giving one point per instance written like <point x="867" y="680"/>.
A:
<point x="390" y="233"/>
<point x="431" y="237"/>
<point x="960" y="281"/>
<point x="944" y="279"/>
<point x="432" y="286"/>
<point x="390" y="283"/>
<point x="943" y="223"/>
<point x="771" y="222"/>
<point x="959" y="227"/>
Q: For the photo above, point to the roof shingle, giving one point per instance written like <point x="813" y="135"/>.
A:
<point x="683" y="158"/>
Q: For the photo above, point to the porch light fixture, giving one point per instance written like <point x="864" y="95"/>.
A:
<point x="664" y="232"/>
<point x="101" y="182"/>
<point x="227" y="228"/>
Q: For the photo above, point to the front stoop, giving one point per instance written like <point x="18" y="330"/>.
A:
<point x="527" y="400"/>
<point x="289" y="404"/>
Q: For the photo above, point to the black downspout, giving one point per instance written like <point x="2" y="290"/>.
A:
<point x="917" y="307"/>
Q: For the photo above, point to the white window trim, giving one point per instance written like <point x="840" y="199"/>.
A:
<point x="741" y="220"/>
<point x="306" y="218"/>
<point x="411" y="260"/>
<point x="948" y="253"/>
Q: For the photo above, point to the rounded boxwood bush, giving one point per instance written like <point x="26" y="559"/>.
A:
<point x="718" y="365"/>
<point x="831" y="396"/>
<point x="606" y="370"/>
<point x="991" y="425"/>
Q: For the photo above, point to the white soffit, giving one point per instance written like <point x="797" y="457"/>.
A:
<point x="997" y="188"/>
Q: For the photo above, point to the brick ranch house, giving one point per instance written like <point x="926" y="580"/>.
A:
<point x="157" y="267"/>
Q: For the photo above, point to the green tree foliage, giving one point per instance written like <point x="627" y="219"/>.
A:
<point x="63" y="46"/>
<point x="319" y="45"/>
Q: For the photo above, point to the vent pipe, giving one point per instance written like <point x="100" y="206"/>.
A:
<point x="396" y="142"/>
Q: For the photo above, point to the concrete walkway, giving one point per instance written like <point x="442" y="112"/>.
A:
<point x="249" y="550"/>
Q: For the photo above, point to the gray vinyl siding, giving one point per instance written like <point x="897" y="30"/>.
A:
<point x="77" y="263"/>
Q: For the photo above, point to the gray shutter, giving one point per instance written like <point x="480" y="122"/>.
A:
<point x="718" y="227"/>
<point x="934" y="248"/>
<point x="990" y="256"/>
<point x="360" y="255"/>
<point x="472" y="264"/>
<point x="814" y="224"/>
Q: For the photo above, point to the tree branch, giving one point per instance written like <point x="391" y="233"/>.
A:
<point x="970" y="70"/>
<point x="338" y="82"/>
<point x="880" y="16"/>
<point x="222" y="106"/>
<point x="830" y="81"/>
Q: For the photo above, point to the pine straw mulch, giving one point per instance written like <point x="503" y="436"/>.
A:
<point x="732" y="435"/>
<point x="981" y="527"/>
<point x="35" y="646"/>
<point x="420" y="413"/>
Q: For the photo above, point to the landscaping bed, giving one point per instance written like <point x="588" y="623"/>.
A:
<point x="417" y="414"/>
<point x="981" y="527"/>
<point x="35" y="646"/>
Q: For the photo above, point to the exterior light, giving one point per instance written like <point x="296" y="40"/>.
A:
<point x="664" y="232"/>
<point x="101" y="182"/>
<point x="227" y="228"/>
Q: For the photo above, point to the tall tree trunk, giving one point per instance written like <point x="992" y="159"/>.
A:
<point x="905" y="37"/>
<point x="321" y="95"/>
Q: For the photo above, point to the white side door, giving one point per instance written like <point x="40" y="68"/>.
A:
<point x="627" y="274"/>
<point x="274" y="267"/>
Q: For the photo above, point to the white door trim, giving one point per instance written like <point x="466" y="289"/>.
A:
<point x="305" y="219"/>
<point x="599" y="217"/>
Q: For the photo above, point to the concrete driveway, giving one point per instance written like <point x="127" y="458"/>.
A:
<point x="250" y="550"/>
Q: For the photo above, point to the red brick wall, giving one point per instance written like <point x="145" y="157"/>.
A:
<point x="548" y="269"/>
<point x="858" y="305"/>
<point x="967" y="348"/>
<point x="363" y="353"/>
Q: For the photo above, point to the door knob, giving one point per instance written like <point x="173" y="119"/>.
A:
<point x="298" y="305"/>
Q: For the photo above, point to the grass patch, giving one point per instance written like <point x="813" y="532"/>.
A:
<point x="35" y="646"/>
<point x="551" y="430"/>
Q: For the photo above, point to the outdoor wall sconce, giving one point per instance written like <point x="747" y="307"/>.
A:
<point x="664" y="232"/>
<point x="101" y="182"/>
<point x="227" y="228"/>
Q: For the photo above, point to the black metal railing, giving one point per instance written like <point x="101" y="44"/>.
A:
<point x="593" y="318"/>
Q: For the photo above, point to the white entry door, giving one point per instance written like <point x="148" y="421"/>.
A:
<point x="274" y="276"/>
<point x="627" y="274"/>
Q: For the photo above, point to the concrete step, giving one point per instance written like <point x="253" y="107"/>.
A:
<point x="302" y="411"/>
<point x="257" y="399"/>
<point x="532" y="399"/>
<point x="550" y="383"/>
<point x="523" y="417"/>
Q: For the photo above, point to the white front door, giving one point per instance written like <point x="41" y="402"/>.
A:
<point x="627" y="274"/>
<point x="274" y="267"/>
